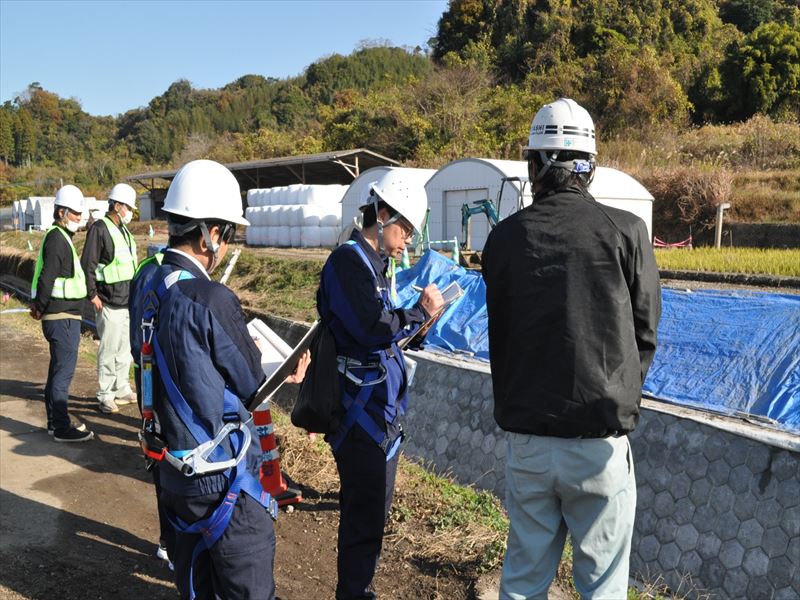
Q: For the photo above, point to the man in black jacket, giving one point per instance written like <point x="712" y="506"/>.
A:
<point x="58" y="291"/>
<point x="109" y="261"/>
<point x="573" y="300"/>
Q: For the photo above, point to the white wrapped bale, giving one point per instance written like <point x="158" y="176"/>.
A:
<point x="295" y="236"/>
<point x="310" y="214"/>
<point x="253" y="197"/>
<point x="331" y="217"/>
<point x="284" y="237"/>
<point x="328" y="236"/>
<point x="310" y="237"/>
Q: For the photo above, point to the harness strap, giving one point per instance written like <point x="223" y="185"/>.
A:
<point x="211" y="528"/>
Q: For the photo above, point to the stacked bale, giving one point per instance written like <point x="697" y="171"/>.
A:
<point x="299" y="216"/>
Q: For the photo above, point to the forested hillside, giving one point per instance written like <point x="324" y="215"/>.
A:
<point x="668" y="81"/>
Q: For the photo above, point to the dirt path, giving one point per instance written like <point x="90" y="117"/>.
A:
<point x="79" y="521"/>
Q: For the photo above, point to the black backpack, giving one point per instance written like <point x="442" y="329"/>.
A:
<point x="318" y="408"/>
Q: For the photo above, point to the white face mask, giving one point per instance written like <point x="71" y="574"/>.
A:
<point x="72" y="226"/>
<point x="127" y="217"/>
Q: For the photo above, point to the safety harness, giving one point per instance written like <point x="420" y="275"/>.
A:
<point x="208" y="456"/>
<point x="366" y="375"/>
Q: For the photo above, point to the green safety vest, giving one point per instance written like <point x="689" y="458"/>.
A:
<point x="158" y="257"/>
<point x="123" y="265"/>
<point x="66" y="288"/>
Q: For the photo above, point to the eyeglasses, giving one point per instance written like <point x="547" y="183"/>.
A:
<point x="406" y="228"/>
<point x="228" y="232"/>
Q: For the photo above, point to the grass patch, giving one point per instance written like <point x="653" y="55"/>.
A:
<point x="282" y="286"/>
<point x="780" y="262"/>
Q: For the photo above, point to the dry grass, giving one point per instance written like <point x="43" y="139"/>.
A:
<point x="772" y="261"/>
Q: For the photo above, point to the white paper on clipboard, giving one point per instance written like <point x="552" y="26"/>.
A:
<point x="278" y="359"/>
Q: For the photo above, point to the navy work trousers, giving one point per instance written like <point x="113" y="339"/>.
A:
<point x="365" y="497"/>
<point x="239" y="565"/>
<point x="64" y="336"/>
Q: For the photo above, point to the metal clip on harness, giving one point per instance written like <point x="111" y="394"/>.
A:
<point x="195" y="462"/>
<point x="346" y="364"/>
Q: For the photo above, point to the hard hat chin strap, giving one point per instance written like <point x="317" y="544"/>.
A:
<point x="584" y="168"/>
<point x="213" y="246"/>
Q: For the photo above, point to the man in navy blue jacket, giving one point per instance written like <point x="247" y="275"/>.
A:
<point x="208" y="367"/>
<point x="354" y="300"/>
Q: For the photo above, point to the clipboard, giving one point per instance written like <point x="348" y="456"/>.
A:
<point x="449" y="294"/>
<point x="276" y="372"/>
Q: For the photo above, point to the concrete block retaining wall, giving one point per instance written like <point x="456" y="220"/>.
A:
<point x="718" y="512"/>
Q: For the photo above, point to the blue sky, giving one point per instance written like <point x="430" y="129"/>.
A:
<point x="117" y="55"/>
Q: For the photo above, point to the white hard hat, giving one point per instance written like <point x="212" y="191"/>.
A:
<point x="69" y="196"/>
<point x="124" y="193"/>
<point x="562" y="125"/>
<point x="406" y="197"/>
<point x="205" y="190"/>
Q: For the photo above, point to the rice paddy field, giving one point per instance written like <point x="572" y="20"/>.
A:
<point x="778" y="262"/>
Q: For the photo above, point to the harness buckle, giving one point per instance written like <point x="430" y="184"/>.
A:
<point x="196" y="461"/>
<point x="346" y="365"/>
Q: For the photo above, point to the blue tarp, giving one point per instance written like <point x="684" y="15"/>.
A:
<point x="732" y="352"/>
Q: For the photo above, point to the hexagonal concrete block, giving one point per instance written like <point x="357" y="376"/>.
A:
<point x="700" y="491"/>
<point x="790" y="521"/>
<point x="690" y="563"/>
<point x="739" y="479"/>
<point x="488" y="443"/>
<point x="788" y="493"/>
<point x="476" y="439"/>
<point x="731" y="553"/>
<point x="452" y="430"/>
<point x="780" y="571"/>
<point x="750" y="533"/>
<point x="785" y="466"/>
<point x="736" y="454"/>
<point x="768" y="512"/>
<point x="755" y="562"/>
<point x="718" y="472"/>
<point x="764" y="485"/>
<point x="735" y="582"/>
<point x="686" y="537"/>
<point x="663" y="505"/>
<point x="684" y="511"/>
<point x="453" y="451"/>
<point x="668" y="556"/>
<point x="654" y="431"/>
<point x="744" y="506"/>
<point x="697" y="468"/>
<point x="793" y="552"/>
<point x="441" y="445"/>
<point x="676" y="461"/>
<point x="759" y="587"/>
<point x="666" y="530"/>
<point x="775" y="542"/>
<point x="704" y="518"/>
<point x="714" y="447"/>
<point x="680" y="485"/>
<point x="464" y="435"/>
<point x="657" y="454"/>
<point x="486" y="387"/>
<point x="648" y="548"/>
<point x="758" y="458"/>
<point x="646" y="522"/>
<point x="726" y="526"/>
<point x="695" y="438"/>
<point x="708" y="545"/>
<point x="712" y="573"/>
<point x="475" y="419"/>
<point x="787" y="593"/>
<point x="644" y="495"/>
<point x="659" y="479"/>
<point x="722" y="500"/>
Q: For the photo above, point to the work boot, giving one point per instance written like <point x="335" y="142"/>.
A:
<point x="129" y="399"/>
<point x="108" y="406"/>
<point x="72" y="435"/>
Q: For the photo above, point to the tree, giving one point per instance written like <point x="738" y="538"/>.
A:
<point x="24" y="136"/>
<point x="6" y="134"/>
<point x="762" y="73"/>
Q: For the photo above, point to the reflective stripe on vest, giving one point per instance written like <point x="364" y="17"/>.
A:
<point x="64" y="288"/>
<point x="123" y="265"/>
